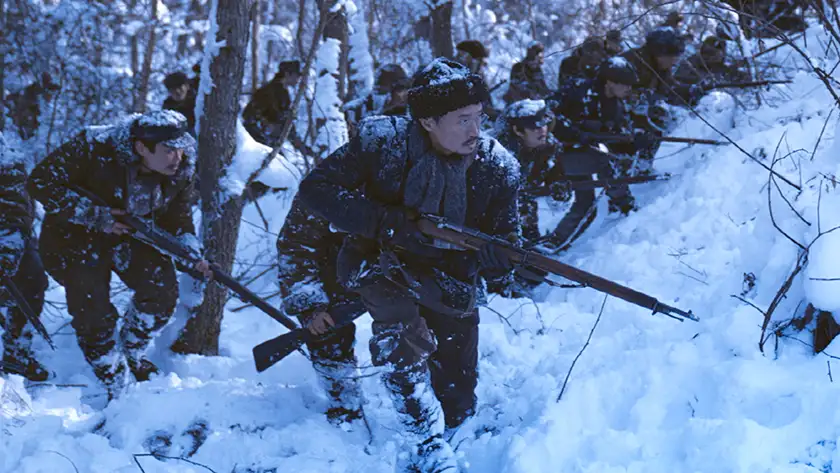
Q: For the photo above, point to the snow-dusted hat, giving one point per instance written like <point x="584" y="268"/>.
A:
<point x="474" y="48"/>
<point x="664" y="41"/>
<point x="529" y="114"/>
<point x="166" y="127"/>
<point x="444" y="86"/>
<point x="619" y="70"/>
<point x="289" y="67"/>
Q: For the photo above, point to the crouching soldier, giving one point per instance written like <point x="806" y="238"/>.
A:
<point x="422" y="294"/>
<point x="584" y="111"/>
<point x="307" y="250"/>
<point x="20" y="264"/>
<point x="143" y="166"/>
<point x="525" y="131"/>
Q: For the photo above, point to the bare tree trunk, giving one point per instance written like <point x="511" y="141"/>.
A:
<point x="216" y="150"/>
<point x="336" y="28"/>
<point x="441" y="31"/>
<point x="255" y="46"/>
<point x="301" y="24"/>
<point x="143" y="86"/>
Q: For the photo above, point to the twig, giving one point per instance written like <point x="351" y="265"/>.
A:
<point x="770" y="203"/>
<point x="565" y="381"/>
<point x="830" y="378"/>
<point x="158" y="457"/>
<point x="800" y="263"/>
<point x="748" y="303"/>
<point x="77" y="470"/>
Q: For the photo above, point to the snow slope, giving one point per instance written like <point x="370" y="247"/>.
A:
<point x="649" y="394"/>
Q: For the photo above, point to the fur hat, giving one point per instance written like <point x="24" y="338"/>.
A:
<point x="664" y="41"/>
<point x="474" y="48"/>
<point x="619" y="70"/>
<point x="444" y="86"/>
<point x="175" y="80"/>
<point x="529" y="114"/>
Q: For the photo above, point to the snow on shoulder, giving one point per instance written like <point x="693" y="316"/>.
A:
<point x="618" y="61"/>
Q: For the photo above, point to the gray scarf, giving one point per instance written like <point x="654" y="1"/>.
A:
<point x="436" y="185"/>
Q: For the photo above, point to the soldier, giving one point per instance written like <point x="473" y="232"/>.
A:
<point x="307" y="251"/>
<point x="389" y="95"/>
<point x="19" y="262"/>
<point x="583" y="111"/>
<point x="473" y="54"/>
<point x="143" y="166"/>
<point x="25" y="106"/>
<point x="181" y="97"/>
<point x="525" y="130"/>
<point x="266" y="114"/>
<point x="422" y="294"/>
<point x="527" y="80"/>
<point x="709" y="66"/>
<point x="584" y="60"/>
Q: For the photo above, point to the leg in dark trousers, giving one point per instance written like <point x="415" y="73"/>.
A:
<point x="454" y="366"/>
<point x="152" y="277"/>
<point x="31" y="281"/>
<point x="81" y="261"/>
<point x="334" y="360"/>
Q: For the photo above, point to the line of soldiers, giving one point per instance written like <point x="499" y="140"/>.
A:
<point x="422" y="294"/>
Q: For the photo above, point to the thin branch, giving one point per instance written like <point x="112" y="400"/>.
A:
<point x="780" y="295"/>
<point x="565" y="381"/>
<point x="158" y="457"/>
<point x="748" y="303"/>
<point x="770" y="202"/>
<point x="68" y="459"/>
<point x="825" y="125"/>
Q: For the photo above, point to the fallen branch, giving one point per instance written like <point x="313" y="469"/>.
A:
<point x="158" y="457"/>
<point x="565" y="381"/>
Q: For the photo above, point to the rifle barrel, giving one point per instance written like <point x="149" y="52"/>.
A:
<point x="472" y="239"/>
<point x="27" y="310"/>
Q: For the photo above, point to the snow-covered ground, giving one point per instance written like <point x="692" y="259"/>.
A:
<point x="649" y="394"/>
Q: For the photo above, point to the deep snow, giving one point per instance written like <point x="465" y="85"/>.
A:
<point x="649" y="394"/>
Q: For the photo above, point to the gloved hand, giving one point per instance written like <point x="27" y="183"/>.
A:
<point x="643" y="140"/>
<point x="398" y="227"/>
<point x="560" y="191"/>
<point x="493" y="258"/>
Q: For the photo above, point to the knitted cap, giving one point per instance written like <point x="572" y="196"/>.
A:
<point x="444" y="86"/>
<point x="474" y="48"/>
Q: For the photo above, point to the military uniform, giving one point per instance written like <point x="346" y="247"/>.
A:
<point x="307" y="251"/>
<point x="527" y="80"/>
<point x="20" y="262"/>
<point x="100" y="164"/>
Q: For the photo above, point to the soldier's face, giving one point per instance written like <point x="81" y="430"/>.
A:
<point x="456" y="132"/>
<point x="665" y="63"/>
<point x="614" y="90"/>
<point x="538" y="60"/>
<point x="163" y="160"/>
<point x="291" y="79"/>
<point x="180" y="93"/>
<point x="532" y="137"/>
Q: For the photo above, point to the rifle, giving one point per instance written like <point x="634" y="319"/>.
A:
<point x="613" y="138"/>
<point x="168" y="244"/>
<point x="744" y="85"/>
<point x="472" y="239"/>
<point x="27" y="310"/>
<point x="267" y="353"/>
<point x="589" y="184"/>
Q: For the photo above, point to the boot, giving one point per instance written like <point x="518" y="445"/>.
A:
<point x="340" y="381"/>
<point x="142" y="369"/>
<point x="18" y="359"/>
<point x="623" y="205"/>
<point x="112" y="371"/>
<point x="420" y="413"/>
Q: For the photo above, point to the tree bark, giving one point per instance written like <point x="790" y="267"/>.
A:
<point x="143" y="86"/>
<point x="221" y="212"/>
<point x="441" y="32"/>
<point x="336" y="28"/>
<point x="255" y="46"/>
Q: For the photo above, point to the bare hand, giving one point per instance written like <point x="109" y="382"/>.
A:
<point x="320" y="323"/>
<point x="203" y="267"/>
<point x="118" y="228"/>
